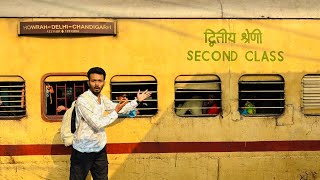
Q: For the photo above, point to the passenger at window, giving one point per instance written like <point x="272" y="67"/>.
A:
<point x="197" y="106"/>
<point x="61" y="108"/>
<point x="50" y="105"/>
<point x="249" y="108"/>
<point x="0" y="101"/>
<point x="49" y="91"/>
<point x="211" y="105"/>
<point x="194" y="106"/>
<point x="132" y="113"/>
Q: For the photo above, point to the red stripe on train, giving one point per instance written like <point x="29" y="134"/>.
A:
<point x="167" y="147"/>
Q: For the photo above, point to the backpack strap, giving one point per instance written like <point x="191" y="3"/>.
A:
<point x="89" y="101"/>
<point x="73" y="118"/>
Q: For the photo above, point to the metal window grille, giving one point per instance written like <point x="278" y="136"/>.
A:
<point x="197" y="95"/>
<point x="261" y="95"/>
<point x="12" y="97"/>
<point x="130" y="85"/>
<point x="64" y="93"/>
<point x="311" y="94"/>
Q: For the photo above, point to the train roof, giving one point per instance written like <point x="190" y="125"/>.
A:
<point x="162" y="8"/>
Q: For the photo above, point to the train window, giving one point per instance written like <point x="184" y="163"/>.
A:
<point x="12" y="97"/>
<point x="130" y="85"/>
<point x="311" y="94"/>
<point x="60" y="91"/>
<point x="261" y="95"/>
<point x="197" y="95"/>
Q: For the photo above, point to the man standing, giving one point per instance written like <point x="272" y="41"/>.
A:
<point x="89" y="144"/>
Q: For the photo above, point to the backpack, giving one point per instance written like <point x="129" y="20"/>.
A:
<point x="68" y="125"/>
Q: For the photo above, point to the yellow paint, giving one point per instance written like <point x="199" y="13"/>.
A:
<point x="159" y="47"/>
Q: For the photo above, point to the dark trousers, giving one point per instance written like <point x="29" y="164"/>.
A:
<point x="81" y="163"/>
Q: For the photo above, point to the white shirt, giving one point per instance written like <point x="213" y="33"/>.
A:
<point x="195" y="106"/>
<point x="90" y="135"/>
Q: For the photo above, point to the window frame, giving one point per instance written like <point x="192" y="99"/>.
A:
<point x="23" y="89"/>
<point x="53" y="118"/>
<point x="303" y="108"/>
<point x="275" y="76"/>
<point x="218" y="90"/>
<point x="131" y="92"/>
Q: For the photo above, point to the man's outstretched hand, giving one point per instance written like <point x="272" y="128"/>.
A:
<point x="143" y="95"/>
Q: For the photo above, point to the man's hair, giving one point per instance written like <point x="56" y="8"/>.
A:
<point x="121" y="94"/>
<point x="96" y="70"/>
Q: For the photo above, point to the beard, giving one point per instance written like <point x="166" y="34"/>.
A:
<point x="96" y="90"/>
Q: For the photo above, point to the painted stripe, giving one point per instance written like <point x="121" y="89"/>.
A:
<point x="167" y="147"/>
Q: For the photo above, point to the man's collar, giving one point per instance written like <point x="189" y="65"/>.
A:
<point x="91" y="94"/>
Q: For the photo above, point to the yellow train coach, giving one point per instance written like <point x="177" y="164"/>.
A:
<point x="231" y="98"/>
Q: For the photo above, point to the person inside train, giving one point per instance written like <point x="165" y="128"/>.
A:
<point x="61" y="108"/>
<point x="248" y="108"/>
<point x="49" y="92"/>
<point x="197" y="106"/>
<point x="211" y="105"/>
<point x="50" y="104"/>
<point x="192" y="106"/>
<point x="70" y="98"/>
<point x="124" y="97"/>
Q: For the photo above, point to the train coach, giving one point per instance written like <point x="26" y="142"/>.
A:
<point x="263" y="76"/>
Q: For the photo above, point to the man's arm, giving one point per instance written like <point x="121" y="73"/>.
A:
<point x="110" y="106"/>
<point x="141" y="96"/>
